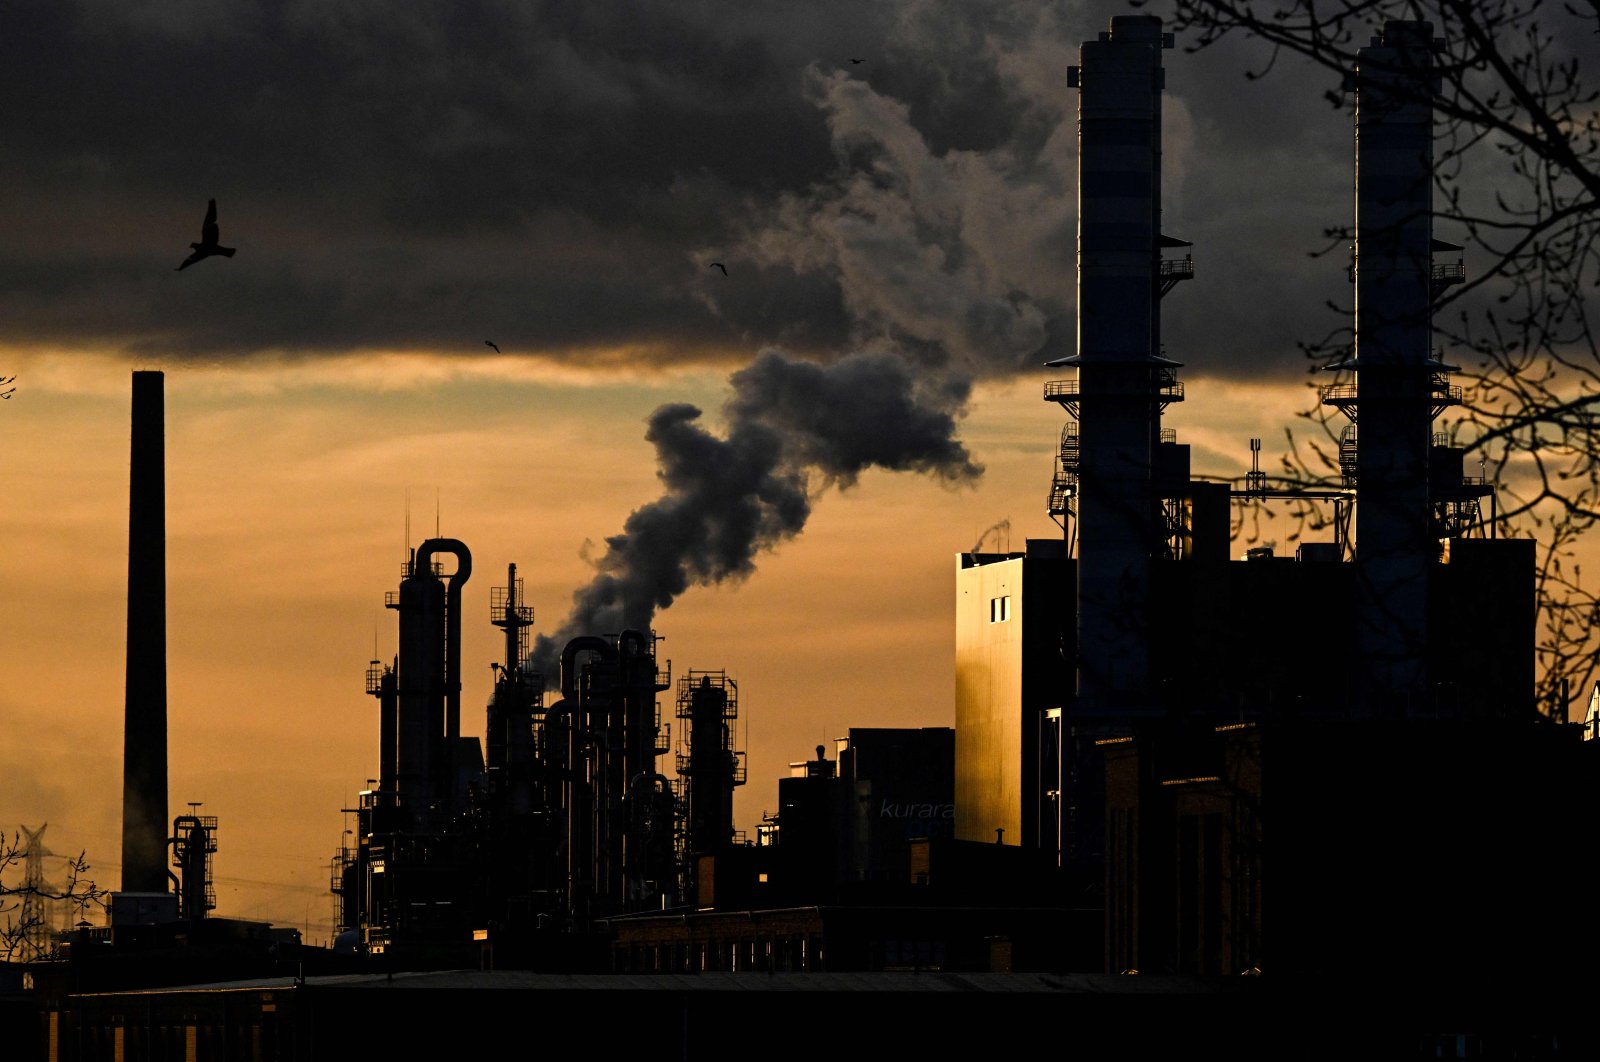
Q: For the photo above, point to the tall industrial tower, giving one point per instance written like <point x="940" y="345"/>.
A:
<point x="518" y="697"/>
<point x="709" y="763"/>
<point x="1123" y="380"/>
<point x="144" y="745"/>
<point x="428" y="694"/>
<point x="1401" y="386"/>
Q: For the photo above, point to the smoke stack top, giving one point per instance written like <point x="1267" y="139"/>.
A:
<point x="144" y="747"/>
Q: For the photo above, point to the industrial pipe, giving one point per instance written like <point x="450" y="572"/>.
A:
<point x="452" y="651"/>
<point x="569" y="655"/>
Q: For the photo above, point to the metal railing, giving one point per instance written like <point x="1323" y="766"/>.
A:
<point x="1178" y="268"/>
<point x="1441" y="273"/>
<point x="1163" y="386"/>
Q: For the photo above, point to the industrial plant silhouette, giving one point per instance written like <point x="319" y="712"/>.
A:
<point x="1284" y="806"/>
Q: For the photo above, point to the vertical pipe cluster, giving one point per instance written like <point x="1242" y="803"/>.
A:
<point x="1397" y="376"/>
<point x="1119" y="368"/>
<point x="144" y="744"/>
<point x="616" y="809"/>
<point x="582" y="795"/>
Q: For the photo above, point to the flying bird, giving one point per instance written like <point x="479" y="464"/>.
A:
<point x="208" y="244"/>
<point x="9" y="390"/>
<point x="719" y="265"/>
<point x="858" y="60"/>
<point x="492" y="343"/>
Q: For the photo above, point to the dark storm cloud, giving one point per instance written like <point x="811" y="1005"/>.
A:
<point x="386" y="149"/>
<point x="725" y="500"/>
<point x="864" y="411"/>
<point x="1263" y="168"/>
<point x="561" y="174"/>
<point x="446" y="105"/>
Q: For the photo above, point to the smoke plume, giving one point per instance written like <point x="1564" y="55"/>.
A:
<point x="933" y="249"/>
<point x="994" y="531"/>
<point x="794" y="428"/>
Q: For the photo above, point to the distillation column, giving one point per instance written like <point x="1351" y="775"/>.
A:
<point x="1120" y="373"/>
<point x="1398" y="380"/>
<point x="708" y="704"/>
<point x="448" y="762"/>
<point x="429" y="680"/>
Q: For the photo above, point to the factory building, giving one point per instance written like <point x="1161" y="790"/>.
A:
<point x="558" y="821"/>
<point x="1327" y="851"/>
<point x="1014" y="652"/>
<point x="1267" y="763"/>
<point x="846" y="826"/>
<point x="860" y="870"/>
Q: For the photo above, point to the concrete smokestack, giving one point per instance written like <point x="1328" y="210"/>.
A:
<point x="144" y="746"/>
<point x="1400" y="384"/>
<point x="1121" y="375"/>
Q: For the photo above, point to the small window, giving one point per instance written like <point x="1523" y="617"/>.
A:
<point x="999" y="609"/>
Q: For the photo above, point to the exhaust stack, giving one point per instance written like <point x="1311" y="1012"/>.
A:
<point x="144" y="747"/>
<point x="1402" y="386"/>
<point x="1123" y="381"/>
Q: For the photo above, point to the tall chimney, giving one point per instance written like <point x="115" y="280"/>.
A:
<point x="1400" y="382"/>
<point x="144" y="744"/>
<point x="1121" y="374"/>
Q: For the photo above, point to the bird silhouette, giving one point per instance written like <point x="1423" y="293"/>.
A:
<point x="492" y="343"/>
<point x="719" y="265"/>
<point x="857" y="60"/>
<point x="9" y="390"/>
<point x="208" y="244"/>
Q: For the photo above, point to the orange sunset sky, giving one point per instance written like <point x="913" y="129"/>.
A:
<point x="403" y="184"/>
<point x="286" y="503"/>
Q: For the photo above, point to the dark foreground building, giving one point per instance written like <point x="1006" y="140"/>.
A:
<point x="1391" y="853"/>
<point x="470" y="1014"/>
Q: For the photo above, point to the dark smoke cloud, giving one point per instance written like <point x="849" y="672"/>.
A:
<point x="794" y="428"/>
<point x="541" y="171"/>
<point x="726" y="499"/>
<point x="868" y="410"/>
